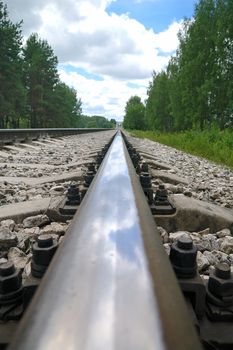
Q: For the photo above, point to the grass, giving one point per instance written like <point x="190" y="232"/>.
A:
<point x="214" y="145"/>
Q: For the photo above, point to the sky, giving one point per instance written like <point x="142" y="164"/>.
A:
<point x="107" y="49"/>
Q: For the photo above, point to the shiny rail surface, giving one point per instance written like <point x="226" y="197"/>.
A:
<point x="23" y="135"/>
<point x="110" y="285"/>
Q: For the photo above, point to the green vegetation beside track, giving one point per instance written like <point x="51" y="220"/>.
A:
<point x="214" y="145"/>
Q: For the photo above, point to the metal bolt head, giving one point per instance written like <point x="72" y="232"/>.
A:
<point x="45" y="241"/>
<point x="88" y="177"/>
<point x="183" y="255"/>
<point x="91" y="167"/>
<point x="220" y="281"/>
<point x="223" y="271"/>
<point x="185" y="243"/>
<point x="145" y="180"/>
<point x="44" y="249"/>
<point x="10" y="278"/>
<point x="7" y="269"/>
<point x="144" y="167"/>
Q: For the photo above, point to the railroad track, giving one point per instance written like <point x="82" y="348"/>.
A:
<point x="110" y="284"/>
<point x="9" y="136"/>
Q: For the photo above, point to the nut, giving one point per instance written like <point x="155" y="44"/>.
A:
<point x="10" y="278"/>
<point x="221" y="281"/>
<point x="44" y="249"/>
<point x="145" y="180"/>
<point x="183" y="257"/>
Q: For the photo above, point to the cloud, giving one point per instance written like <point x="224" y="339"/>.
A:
<point x="84" y="35"/>
<point x="106" y="97"/>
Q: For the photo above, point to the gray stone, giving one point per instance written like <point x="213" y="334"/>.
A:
<point x="27" y="270"/>
<point x="38" y="220"/>
<point x="226" y="245"/>
<point x="32" y="231"/>
<point x="7" y="238"/>
<point x="208" y="242"/>
<point x="223" y="233"/>
<point x="18" y="257"/>
<point x="196" y="238"/>
<point x="167" y="248"/>
<point x="204" y="232"/>
<point x="174" y="236"/>
<point x="202" y="262"/>
<point x="56" y="228"/>
<point x="212" y="259"/>
<point x="222" y="257"/>
<point x="8" y="223"/>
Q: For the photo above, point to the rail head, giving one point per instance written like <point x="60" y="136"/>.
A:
<point x="110" y="285"/>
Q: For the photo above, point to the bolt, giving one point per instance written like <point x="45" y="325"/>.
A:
<point x="10" y="283"/>
<point x="99" y="158"/>
<point x="161" y="196"/>
<point x="73" y="195"/>
<point x="162" y="192"/>
<point x="185" y="243"/>
<point x="42" y="253"/>
<point x="7" y="269"/>
<point x="45" y="241"/>
<point x="220" y="282"/>
<point x="144" y="167"/>
<point x="91" y="167"/>
<point x="183" y="257"/>
<point x="88" y="177"/>
<point x="223" y="271"/>
<point x="145" y="180"/>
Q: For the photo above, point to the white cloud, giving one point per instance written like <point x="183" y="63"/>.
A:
<point x="167" y="41"/>
<point x="107" y="97"/>
<point x="117" y="47"/>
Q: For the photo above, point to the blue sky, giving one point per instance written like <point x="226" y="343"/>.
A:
<point x="156" y="14"/>
<point x="107" y="49"/>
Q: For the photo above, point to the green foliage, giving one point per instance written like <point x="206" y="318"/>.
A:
<point x="31" y="94"/>
<point x="196" y="89"/>
<point x="40" y="71"/>
<point x="95" y="122"/>
<point x="66" y="108"/>
<point x="135" y="114"/>
<point x="12" y="90"/>
<point x="212" y="144"/>
<point x="158" y="103"/>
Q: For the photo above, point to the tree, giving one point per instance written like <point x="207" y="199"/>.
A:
<point x="134" y="114"/>
<point x="158" y="103"/>
<point x="41" y="77"/>
<point x="196" y="90"/>
<point x="12" y="92"/>
<point x="66" y="107"/>
<point x="94" y="122"/>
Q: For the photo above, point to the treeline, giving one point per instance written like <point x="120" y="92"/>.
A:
<point x="196" y="89"/>
<point x="95" y="122"/>
<point x="31" y="93"/>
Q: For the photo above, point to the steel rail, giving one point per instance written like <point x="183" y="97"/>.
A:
<point x="13" y="135"/>
<point x="110" y="285"/>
